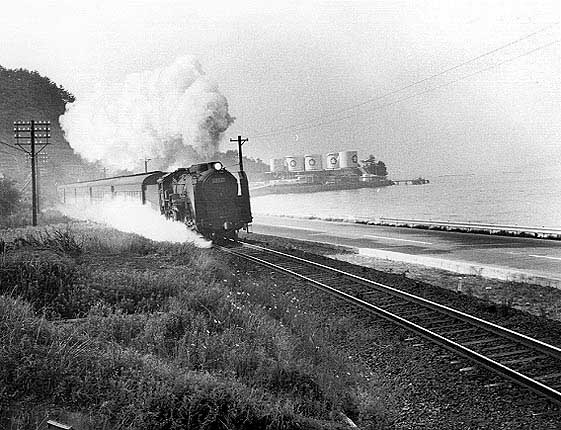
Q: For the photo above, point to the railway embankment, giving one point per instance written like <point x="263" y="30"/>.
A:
<point x="420" y="385"/>
<point x="103" y="329"/>
<point x="539" y="300"/>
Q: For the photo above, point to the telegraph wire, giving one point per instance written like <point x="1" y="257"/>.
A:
<point x="7" y="144"/>
<point x="296" y="127"/>
<point x="26" y="184"/>
<point x="319" y="124"/>
<point x="17" y="148"/>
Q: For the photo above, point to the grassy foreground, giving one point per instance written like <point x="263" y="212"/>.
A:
<point x="109" y="330"/>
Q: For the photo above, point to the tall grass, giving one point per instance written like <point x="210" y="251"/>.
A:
<point x="23" y="218"/>
<point x="63" y="241"/>
<point x="129" y="389"/>
<point x="51" y="287"/>
<point x="167" y="338"/>
<point x="75" y="238"/>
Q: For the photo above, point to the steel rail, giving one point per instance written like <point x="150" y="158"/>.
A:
<point x="544" y="390"/>
<point x="519" y="337"/>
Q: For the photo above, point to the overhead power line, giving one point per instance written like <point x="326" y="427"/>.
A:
<point x="379" y="107"/>
<point x="26" y="184"/>
<point x="293" y="127"/>
<point x="10" y="146"/>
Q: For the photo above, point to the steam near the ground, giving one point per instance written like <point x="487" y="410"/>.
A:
<point x="132" y="217"/>
<point x="172" y="114"/>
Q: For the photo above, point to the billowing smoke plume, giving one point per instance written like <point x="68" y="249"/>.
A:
<point x="172" y="114"/>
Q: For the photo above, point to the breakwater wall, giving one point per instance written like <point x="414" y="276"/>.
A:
<point x="550" y="233"/>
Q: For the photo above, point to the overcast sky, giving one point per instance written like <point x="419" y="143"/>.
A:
<point x="312" y="77"/>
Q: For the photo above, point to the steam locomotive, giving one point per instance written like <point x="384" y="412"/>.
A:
<point x="206" y="197"/>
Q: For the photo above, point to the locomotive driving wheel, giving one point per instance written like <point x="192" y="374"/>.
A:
<point x="190" y="224"/>
<point x="231" y="235"/>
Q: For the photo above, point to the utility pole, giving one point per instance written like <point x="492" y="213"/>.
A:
<point x="32" y="133"/>
<point x="146" y="160"/>
<point x="40" y="162"/>
<point x="240" y="143"/>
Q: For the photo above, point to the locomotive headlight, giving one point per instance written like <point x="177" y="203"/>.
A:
<point x="217" y="166"/>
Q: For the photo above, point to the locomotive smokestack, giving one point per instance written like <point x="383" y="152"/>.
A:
<point x="173" y="113"/>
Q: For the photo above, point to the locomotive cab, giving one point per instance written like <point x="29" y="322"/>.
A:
<point x="171" y="190"/>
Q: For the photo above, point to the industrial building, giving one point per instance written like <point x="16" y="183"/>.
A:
<point x="329" y="168"/>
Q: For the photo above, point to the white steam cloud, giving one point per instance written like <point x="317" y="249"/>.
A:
<point x="133" y="217"/>
<point x="172" y="114"/>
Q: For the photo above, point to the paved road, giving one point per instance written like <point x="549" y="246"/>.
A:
<point x="448" y="250"/>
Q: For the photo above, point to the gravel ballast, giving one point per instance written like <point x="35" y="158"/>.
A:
<point x="412" y="382"/>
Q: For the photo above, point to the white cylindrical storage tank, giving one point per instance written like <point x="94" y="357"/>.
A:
<point x="348" y="159"/>
<point x="332" y="161"/>
<point x="295" y="164"/>
<point x="312" y="162"/>
<point x="277" y="165"/>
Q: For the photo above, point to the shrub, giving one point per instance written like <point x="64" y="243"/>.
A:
<point x="63" y="241"/>
<point x="9" y="197"/>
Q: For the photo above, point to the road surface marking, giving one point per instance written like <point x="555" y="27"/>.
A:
<point x="393" y="238"/>
<point x="546" y="256"/>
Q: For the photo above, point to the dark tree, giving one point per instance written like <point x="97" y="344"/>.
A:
<point x="370" y="165"/>
<point x="230" y="160"/>
<point x="381" y="169"/>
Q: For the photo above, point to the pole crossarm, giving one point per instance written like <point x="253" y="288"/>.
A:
<point x="239" y="140"/>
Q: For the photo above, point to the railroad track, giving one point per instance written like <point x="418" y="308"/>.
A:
<point x="528" y="362"/>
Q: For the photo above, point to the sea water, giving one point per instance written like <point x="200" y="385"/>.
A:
<point x="506" y="198"/>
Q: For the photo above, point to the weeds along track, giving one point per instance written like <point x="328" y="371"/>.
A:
<point x="528" y="362"/>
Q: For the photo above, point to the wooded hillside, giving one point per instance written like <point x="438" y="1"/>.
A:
<point x="27" y="95"/>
